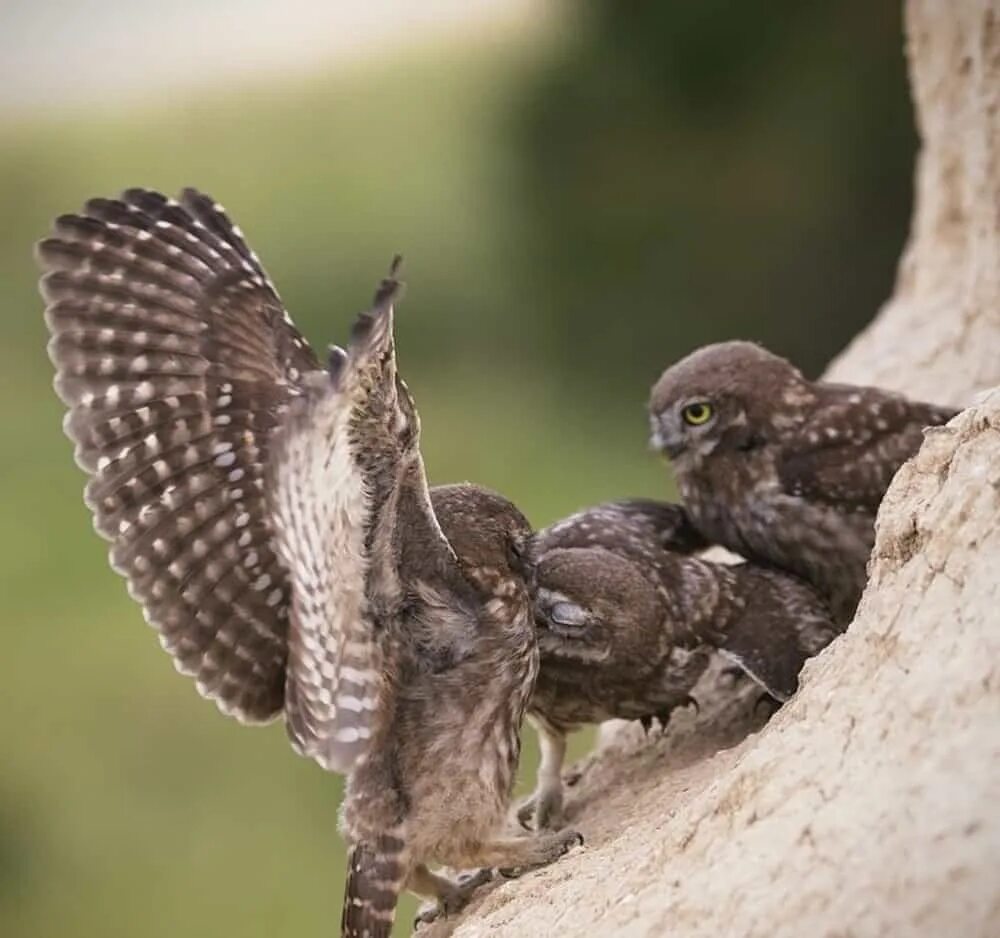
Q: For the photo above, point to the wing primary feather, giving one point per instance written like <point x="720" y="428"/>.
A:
<point x="320" y="507"/>
<point x="176" y="360"/>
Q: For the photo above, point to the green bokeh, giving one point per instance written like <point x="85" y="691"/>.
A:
<point x="529" y="335"/>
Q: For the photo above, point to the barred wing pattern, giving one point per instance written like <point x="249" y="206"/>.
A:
<point x="320" y="509"/>
<point x="331" y="459"/>
<point x="177" y="360"/>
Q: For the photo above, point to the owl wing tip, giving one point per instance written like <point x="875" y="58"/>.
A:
<point x="372" y="332"/>
<point x="132" y="285"/>
<point x="390" y="288"/>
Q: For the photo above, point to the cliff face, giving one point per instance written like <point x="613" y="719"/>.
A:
<point x="868" y="804"/>
<point x="937" y="338"/>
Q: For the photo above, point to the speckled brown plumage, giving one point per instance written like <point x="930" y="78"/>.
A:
<point x="628" y="619"/>
<point x="783" y="470"/>
<point x="273" y="520"/>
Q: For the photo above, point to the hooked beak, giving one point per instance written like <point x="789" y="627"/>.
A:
<point x="666" y="437"/>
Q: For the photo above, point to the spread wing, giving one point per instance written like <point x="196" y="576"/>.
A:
<point x="321" y="512"/>
<point x="340" y="486"/>
<point x="176" y="360"/>
<point x="854" y="443"/>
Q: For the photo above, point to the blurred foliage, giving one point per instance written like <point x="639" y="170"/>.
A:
<point x="574" y="213"/>
<point x="713" y="170"/>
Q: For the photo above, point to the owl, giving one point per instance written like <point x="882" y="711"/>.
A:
<point x="782" y="470"/>
<point x="628" y="619"/>
<point x="273" y="519"/>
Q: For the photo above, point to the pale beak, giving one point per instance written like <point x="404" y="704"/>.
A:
<point x="665" y="437"/>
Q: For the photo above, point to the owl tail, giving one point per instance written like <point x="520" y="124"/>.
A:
<point x="376" y="874"/>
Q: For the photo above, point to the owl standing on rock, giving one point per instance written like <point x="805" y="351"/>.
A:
<point x="628" y="620"/>
<point x="273" y="519"/>
<point x="782" y="470"/>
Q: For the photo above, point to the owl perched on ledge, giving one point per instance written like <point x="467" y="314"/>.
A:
<point x="628" y="619"/>
<point x="273" y="519"/>
<point x="781" y="470"/>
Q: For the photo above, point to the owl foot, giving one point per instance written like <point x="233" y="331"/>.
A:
<point x="453" y="896"/>
<point x="541" y="851"/>
<point x="542" y="810"/>
<point x="663" y="717"/>
<point x="768" y="703"/>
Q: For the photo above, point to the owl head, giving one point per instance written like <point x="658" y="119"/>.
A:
<point x="593" y="605"/>
<point x="725" y="398"/>
<point x="486" y="530"/>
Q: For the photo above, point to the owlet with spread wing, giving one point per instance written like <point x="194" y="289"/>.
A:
<point x="273" y="519"/>
<point x="628" y="619"/>
<point x="782" y="470"/>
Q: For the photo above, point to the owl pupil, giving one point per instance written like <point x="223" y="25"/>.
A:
<point x="697" y="413"/>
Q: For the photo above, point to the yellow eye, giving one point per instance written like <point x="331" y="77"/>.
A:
<point x="697" y="414"/>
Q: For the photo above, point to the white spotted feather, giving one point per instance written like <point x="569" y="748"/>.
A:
<point x="176" y="360"/>
<point x="321" y="510"/>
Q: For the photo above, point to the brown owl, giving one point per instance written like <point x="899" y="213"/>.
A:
<point x="782" y="470"/>
<point x="273" y="519"/>
<point x="628" y="619"/>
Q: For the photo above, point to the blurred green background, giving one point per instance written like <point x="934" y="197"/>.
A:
<point x="582" y="193"/>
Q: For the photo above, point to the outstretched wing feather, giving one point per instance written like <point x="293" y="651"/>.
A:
<point x="176" y="360"/>
<point x="321" y="512"/>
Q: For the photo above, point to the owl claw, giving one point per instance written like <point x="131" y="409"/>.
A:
<point x="455" y="899"/>
<point x="526" y="813"/>
<point x="768" y="702"/>
<point x="663" y="716"/>
<point x="550" y="847"/>
<point x="475" y="879"/>
<point x="541" y="810"/>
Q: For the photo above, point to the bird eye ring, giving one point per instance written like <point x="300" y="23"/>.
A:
<point x="698" y="413"/>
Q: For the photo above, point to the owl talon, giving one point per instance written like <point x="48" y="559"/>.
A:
<point x="454" y="899"/>
<point x="768" y="703"/>
<point x="541" y="810"/>
<point x="549" y="849"/>
<point x="471" y="881"/>
<point x="526" y="813"/>
<point x="663" y="716"/>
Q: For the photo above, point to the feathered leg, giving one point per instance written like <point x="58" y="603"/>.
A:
<point x="450" y="896"/>
<point x="543" y="809"/>
<point x="376" y="874"/>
